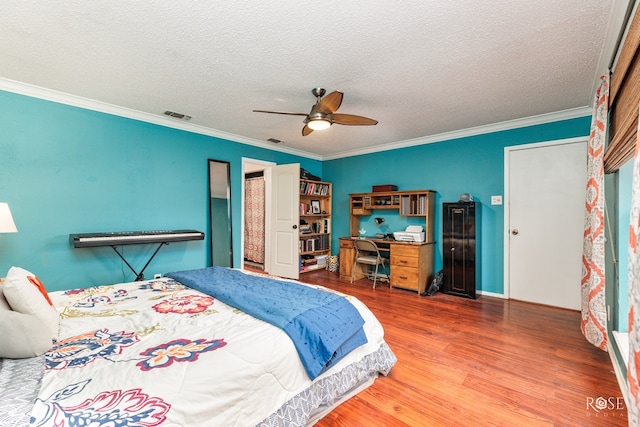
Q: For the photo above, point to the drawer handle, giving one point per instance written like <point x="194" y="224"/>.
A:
<point x="403" y="277"/>
<point x="402" y="261"/>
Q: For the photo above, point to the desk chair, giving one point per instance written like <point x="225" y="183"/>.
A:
<point x="367" y="252"/>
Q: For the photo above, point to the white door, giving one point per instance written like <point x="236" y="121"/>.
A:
<point x="545" y="193"/>
<point x="283" y="206"/>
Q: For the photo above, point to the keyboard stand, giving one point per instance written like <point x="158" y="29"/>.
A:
<point x="163" y="237"/>
<point x="139" y="276"/>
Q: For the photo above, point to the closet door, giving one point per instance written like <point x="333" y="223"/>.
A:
<point x="544" y="216"/>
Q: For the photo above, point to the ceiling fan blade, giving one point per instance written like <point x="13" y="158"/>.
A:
<point x="330" y="103"/>
<point x="279" y="112"/>
<point x="352" y="120"/>
<point x="306" y="130"/>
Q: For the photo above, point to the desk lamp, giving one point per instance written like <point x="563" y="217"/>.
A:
<point x="386" y="230"/>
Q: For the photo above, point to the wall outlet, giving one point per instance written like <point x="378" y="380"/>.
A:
<point x="157" y="276"/>
<point x="496" y="200"/>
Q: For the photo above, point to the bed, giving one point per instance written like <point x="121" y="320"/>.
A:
<point x="172" y="352"/>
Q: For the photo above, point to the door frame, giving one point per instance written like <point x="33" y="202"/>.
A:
<point x="253" y="165"/>
<point x="507" y="216"/>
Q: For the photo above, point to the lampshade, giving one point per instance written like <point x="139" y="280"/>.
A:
<point x="6" y="220"/>
<point x="319" y="124"/>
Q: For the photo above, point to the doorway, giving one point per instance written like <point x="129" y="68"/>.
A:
<point x="254" y="220"/>
<point x="544" y="211"/>
<point x="254" y="238"/>
<point x="281" y="204"/>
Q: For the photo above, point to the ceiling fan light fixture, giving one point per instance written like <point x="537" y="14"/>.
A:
<point x="319" y="124"/>
<point x="322" y="114"/>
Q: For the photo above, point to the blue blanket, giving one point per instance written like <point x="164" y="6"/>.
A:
<point x="323" y="326"/>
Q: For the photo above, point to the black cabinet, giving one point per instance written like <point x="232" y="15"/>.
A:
<point x="460" y="244"/>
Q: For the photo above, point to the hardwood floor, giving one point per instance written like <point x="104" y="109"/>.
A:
<point x="479" y="362"/>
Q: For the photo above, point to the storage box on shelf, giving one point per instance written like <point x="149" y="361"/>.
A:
<point x="385" y="187"/>
<point x="315" y="224"/>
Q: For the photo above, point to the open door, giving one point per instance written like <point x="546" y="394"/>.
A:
<point x="284" y="218"/>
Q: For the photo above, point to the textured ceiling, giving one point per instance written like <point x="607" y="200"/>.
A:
<point x="421" y="68"/>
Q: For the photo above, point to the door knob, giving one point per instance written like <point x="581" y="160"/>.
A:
<point x="515" y="231"/>
<point x="295" y="226"/>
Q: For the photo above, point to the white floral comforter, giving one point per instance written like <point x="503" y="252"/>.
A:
<point x="158" y="353"/>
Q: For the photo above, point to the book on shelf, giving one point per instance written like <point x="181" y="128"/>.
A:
<point x="321" y="226"/>
<point x="314" y="243"/>
<point x="305" y="229"/>
<point x="314" y="188"/>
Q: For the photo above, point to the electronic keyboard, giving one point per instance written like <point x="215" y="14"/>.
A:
<point x="115" y="239"/>
<point x="87" y="240"/>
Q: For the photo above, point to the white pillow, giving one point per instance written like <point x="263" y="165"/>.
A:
<point x="25" y="294"/>
<point x="22" y="335"/>
<point x="4" y="305"/>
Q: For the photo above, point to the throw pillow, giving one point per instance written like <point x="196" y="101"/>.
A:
<point x="4" y="305"/>
<point x="22" y="335"/>
<point x="24" y="295"/>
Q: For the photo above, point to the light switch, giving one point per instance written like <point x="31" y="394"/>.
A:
<point x="496" y="200"/>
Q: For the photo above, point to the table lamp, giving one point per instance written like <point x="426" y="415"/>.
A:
<point x="6" y="220"/>
<point x="386" y="230"/>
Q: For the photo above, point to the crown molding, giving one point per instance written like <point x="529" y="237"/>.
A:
<point x="103" y="107"/>
<point x="464" y="133"/>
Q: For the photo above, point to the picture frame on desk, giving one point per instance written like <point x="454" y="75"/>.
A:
<point x="315" y="207"/>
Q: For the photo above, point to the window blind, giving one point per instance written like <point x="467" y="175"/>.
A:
<point x="624" y="100"/>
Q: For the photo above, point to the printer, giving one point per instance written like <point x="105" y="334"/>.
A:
<point x="413" y="233"/>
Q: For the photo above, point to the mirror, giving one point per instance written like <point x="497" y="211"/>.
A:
<point x="221" y="247"/>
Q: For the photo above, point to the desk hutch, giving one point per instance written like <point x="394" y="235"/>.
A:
<point x="411" y="264"/>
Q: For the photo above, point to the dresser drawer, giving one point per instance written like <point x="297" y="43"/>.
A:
<point x="404" y="261"/>
<point x="404" y="277"/>
<point x="406" y="250"/>
<point x="346" y="243"/>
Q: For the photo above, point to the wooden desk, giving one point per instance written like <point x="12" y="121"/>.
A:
<point x="411" y="264"/>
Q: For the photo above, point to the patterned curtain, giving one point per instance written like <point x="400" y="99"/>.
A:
<point x="633" y="370"/>
<point x="254" y="220"/>
<point x="594" y="310"/>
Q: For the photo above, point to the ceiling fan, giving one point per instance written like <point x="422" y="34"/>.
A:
<point x="323" y="113"/>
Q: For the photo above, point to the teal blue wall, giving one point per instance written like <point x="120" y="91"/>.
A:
<point x="69" y="170"/>
<point x="472" y="165"/>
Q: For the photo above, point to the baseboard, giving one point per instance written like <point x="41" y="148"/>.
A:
<point x="491" y="294"/>
<point x="620" y="376"/>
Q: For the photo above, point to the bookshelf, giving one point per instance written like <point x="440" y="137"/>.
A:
<point x="315" y="224"/>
